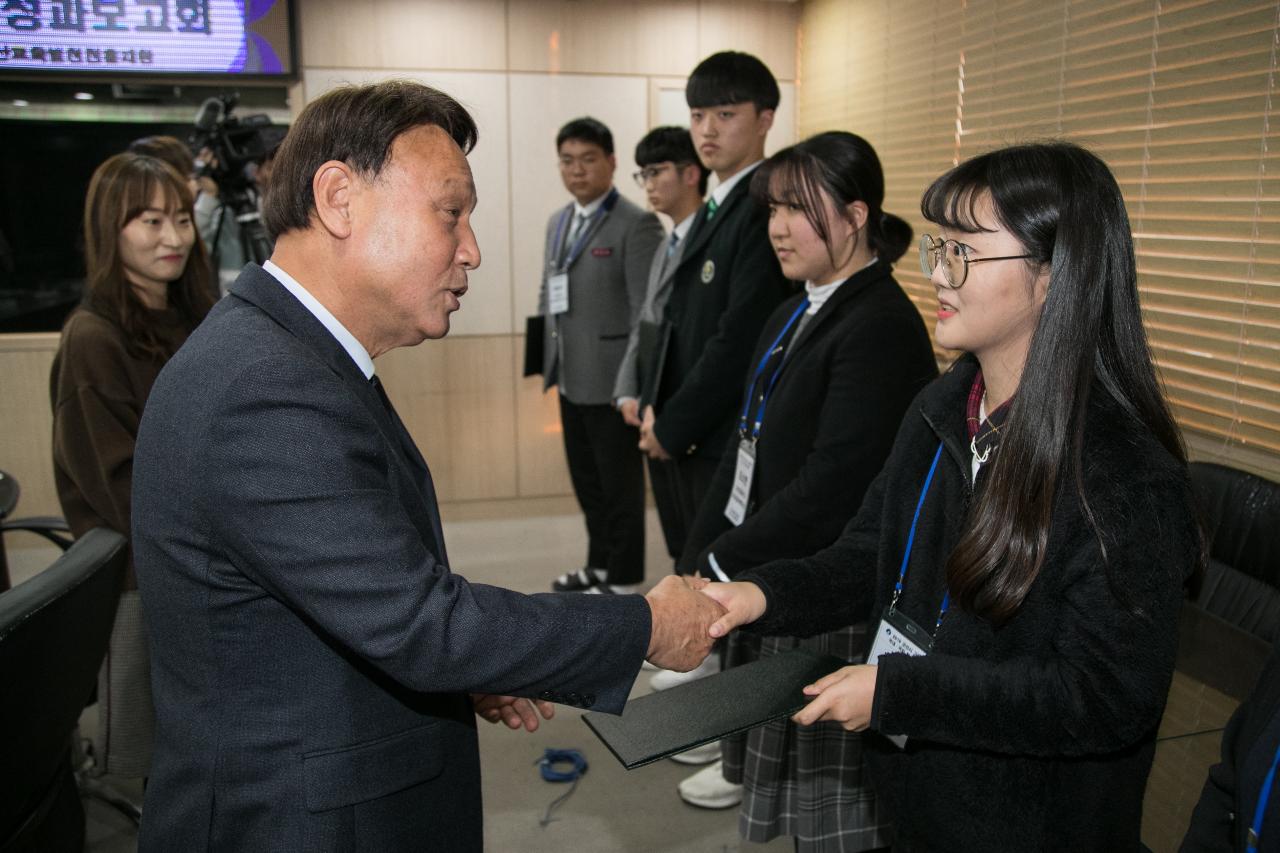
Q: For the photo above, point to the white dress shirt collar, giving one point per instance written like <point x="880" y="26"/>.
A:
<point x="820" y="293"/>
<point x="347" y="340"/>
<point x="589" y="210"/>
<point x="721" y="192"/>
<point x="682" y="227"/>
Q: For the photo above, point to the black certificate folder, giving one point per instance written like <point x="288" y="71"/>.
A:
<point x="662" y="724"/>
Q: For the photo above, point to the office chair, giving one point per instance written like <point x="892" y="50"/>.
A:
<point x="1241" y="514"/>
<point x="50" y="527"/>
<point x="54" y="630"/>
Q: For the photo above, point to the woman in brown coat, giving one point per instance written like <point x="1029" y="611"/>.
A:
<point x="147" y="287"/>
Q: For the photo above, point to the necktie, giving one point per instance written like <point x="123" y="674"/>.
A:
<point x="672" y="243"/>
<point x="406" y="440"/>
<point x="712" y="207"/>
<point x="575" y="230"/>
<point x="410" y="451"/>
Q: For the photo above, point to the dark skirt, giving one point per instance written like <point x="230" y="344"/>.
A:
<point x="803" y="781"/>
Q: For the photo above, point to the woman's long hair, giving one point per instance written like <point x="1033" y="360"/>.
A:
<point x="120" y="189"/>
<point x="845" y="167"/>
<point x="1063" y="205"/>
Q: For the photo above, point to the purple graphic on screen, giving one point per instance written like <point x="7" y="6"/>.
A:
<point x="256" y="55"/>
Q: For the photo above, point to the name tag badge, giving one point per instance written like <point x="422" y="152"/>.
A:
<point x="736" y="509"/>
<point x="897" y="634"/>
<point x="602" y="252"/>
<point x="558" y="293"/>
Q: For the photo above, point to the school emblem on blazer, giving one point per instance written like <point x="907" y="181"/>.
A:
<point x="708" y="271"/>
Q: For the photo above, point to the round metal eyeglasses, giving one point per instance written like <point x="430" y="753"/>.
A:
<point x="954" y="258"/>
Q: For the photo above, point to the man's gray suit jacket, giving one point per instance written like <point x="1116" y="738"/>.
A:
<point x="661" y="273"/>
<point x="311" y="649"/>
<point x="583" y="347"/>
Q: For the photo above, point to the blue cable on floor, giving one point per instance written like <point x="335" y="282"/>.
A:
<point x="550" y="766"/>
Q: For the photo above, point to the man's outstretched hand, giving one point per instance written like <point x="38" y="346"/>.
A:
<point x="682" y="619"/>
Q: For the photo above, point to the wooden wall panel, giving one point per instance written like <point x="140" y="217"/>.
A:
<point x="26" y="419"/>
<point x="604" y="37"/>
<point x="404" y="34"/>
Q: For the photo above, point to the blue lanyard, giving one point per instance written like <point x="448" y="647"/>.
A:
<point x="1255" y="829"/>
<point x="911" y="539"/>
<point x="605" y="206"/>
<point x="773" y="350"/>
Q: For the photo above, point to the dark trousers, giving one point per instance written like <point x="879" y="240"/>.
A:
<point x="662" y="478"/>
<point x="608" y="479"/>
<point x="692" y="481"/>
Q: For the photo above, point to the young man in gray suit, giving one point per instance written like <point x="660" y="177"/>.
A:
<point x="598" y="251"/>
<point x="316" y="666"/>
<point x="675" y="182"/>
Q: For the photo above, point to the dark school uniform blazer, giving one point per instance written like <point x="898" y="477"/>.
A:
<point x="311" y="649"/>
<point x="835" y="408"/>
<point x="726" y="286"/>
<point x="1038" y="734"/>
<point x="583" y="347"/>
<point x="1224" y="815"/>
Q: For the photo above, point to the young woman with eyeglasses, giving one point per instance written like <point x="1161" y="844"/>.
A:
<point x="1023" y="552"/>
<point x="147" y="287"/>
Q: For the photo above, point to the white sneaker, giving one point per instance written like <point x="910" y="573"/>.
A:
<point x="708" y="789"/>
<point x="613" y="589"/>
<point x="669" y="678"/>
<point x="704" y="754"/>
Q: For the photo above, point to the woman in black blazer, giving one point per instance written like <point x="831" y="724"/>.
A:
<point x="837" y="366"/>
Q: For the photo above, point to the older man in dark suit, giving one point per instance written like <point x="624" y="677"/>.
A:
<point x="313" y="655"/>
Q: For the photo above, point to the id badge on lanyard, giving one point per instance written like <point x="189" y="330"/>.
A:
<point x="740" y="495"/>
<point x="558" y="293"/>
<point x="898" y="634"/>
<point x="735" y="509"/>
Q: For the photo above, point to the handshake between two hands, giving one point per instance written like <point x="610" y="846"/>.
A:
<point x="689" y="614"/>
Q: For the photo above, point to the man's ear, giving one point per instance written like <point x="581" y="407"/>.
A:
<point x="764" y="121"/>
<point x="333" y="186"/>
<point x="690" y="175"/>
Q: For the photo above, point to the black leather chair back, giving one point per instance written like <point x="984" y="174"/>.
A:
<point x="54" y="630"/>
<point x="1241" y="513"/>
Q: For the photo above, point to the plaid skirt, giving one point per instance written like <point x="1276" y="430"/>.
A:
<point x="807" y="782"/>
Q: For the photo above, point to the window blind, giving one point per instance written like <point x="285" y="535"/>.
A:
<point x="1179" y="98"/>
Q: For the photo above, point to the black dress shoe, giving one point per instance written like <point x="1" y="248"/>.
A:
<point x="579" y="581"/>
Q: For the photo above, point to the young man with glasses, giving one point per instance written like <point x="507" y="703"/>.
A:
<point x="598" y="250"/>
<point x="675" y="182"/>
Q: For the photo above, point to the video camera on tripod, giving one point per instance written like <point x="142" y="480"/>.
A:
<point x="235" y="143"/>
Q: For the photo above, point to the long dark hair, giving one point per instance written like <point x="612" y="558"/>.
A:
<point x="845" y="167"/>
<point x="1063" y="205"/>
<point x="120" y="189"/>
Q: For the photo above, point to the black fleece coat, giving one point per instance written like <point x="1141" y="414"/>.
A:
<point x="1037" y="735"/>
<point x="835" y="407"/>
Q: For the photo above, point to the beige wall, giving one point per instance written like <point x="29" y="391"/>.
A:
<point x="523" y="67"/>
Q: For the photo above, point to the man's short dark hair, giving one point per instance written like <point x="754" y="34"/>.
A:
<point x="671" y="143"/>
<point x="731" y="77"/>
<point x="356" y="125"/>
<point x="589" y="130"/>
